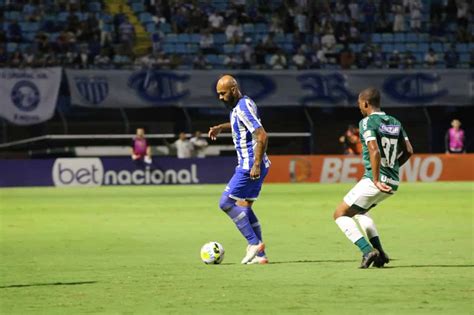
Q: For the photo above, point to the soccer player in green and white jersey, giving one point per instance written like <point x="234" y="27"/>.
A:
<point x="385" y="148"/>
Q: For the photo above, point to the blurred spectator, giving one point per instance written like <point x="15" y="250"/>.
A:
<point x="415" y="7"/>
<point x="234" y="32"/>
<point x="183" y="147"/>
<point x="141" y="151"/>
<point x="351" y="141"/>
<point x="394" y="60"/>
<point x="471" y="59"/>
<point x="451" y="11"/>
<point x="462" y="13"/>
<point x="28" y="57"/>
<point x="399" y="17"/>
<point x="454" y="139"/>
<point x="199" y="145"/>
<point x="378" y="58"/>
<point x="260" y="53"/>
<point x="451" y="57"/>
<point x="354" y="33"/>
<point x="200" y="62"/>
<point x="102" y="61"/>
<point x="127" y="34"/>
<point x="83" y="59"/>
<point x="299" y="60"/>
<point x="369" y="11"/>
<point x="206" y="43"/>
<point x="278" y="61"/>
<point x="248" y="53"/>
<point x="14" y="33"/>
<point x="431" y="59"/>
<point x="164" y="62"/>
<point x="233" y="61"/>
<point x="346" y="57"/>
<point x="3" y="56"/>
<point x="354" y="11"/>
<point x="269" y="45"/>
<point x="216" y="22"/>
<point x="16" y="60"/>
<point x="409" y="60"/>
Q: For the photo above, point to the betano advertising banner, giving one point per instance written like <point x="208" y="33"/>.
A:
<point x="349" y="169"/>
<point x="28" y="96"/>
<point x="146" y="88"/>
<point x="77" y="172"/>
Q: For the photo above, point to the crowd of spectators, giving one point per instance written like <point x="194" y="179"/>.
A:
<point x="322" y="34"/>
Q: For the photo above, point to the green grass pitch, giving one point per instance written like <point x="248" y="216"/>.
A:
<point x="135" y="250"/>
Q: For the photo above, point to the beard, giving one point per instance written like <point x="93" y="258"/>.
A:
<point x="230" y="103"/>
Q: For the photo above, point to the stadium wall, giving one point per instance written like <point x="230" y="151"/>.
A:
<point x="73" y="172"/>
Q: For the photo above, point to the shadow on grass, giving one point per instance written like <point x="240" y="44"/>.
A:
<point x="429" y="266"/>
<point x="301" y="262"/>
<point x="45" y="284"/>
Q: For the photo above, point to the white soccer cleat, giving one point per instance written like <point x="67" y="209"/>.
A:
<point x="252" y="251"/>
<point x="258" y="260"/>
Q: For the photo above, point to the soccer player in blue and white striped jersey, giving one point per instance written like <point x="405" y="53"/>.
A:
<point x="250" y="141"/>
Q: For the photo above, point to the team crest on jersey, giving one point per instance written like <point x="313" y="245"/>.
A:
<point x="390" y="129"/>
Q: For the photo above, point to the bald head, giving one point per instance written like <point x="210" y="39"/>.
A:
<point x="226" y="82"/>
<point x="228" y="90"/>
<point x="369" y="101"/>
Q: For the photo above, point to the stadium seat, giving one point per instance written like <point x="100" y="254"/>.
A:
<point x="248" y="28"/>
<point x="376" y="38"/>
<point x="411" y="37"/>
<point x="387" y="38"/>
<point x="219" y="38"/>
<point x="171" y="38"/>
<point x="183" y="38"/>
<point x="95" y="7"/>
<point x="12" y="47"/>
<point x="138" y="7"/>
<point x="151" y="27"/>
<point x="145" y="17"/>
<point x="229" y="49"/>
<point x="399" y="38"/>
<point x="437" y="47"/>
<point x="195" y="38"/>
<point x="387" y="48"/>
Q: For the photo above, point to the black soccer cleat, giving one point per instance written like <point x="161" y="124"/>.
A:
<point x="368" y="259"/>
<point x="381" y="260"/>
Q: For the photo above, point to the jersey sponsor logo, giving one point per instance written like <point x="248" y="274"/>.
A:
<point x="393" y="130"/>
<point x="388" y="180"/>
<point x="93" y="89"/>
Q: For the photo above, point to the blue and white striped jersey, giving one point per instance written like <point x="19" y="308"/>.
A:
<point x="244" y="120"/>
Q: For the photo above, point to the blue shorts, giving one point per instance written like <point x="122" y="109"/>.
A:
<point x="241" y="187"/>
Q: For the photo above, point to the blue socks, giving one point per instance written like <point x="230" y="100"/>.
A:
<point x="363" y="245"/>
<point x="240" y="216"/>
<point x="256" y="227"/>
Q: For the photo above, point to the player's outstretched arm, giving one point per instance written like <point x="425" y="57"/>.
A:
<point x="262" y="142"/>
<point x="374" y="155"/>
<point x="407" y="152"/>
<point x="214" y="131"/>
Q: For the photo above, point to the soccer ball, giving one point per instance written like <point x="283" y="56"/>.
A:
<point x="212" y="253"/>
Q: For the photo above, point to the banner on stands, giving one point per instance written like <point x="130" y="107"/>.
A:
<point x="349" y="169"/>
<point x="71" y="172"/>
<point x="28" y="96"/>
<point x="145" y="88"/>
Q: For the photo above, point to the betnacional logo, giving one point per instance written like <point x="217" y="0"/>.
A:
<point x="91" y="172"/>
<point x="78" y="172"/>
